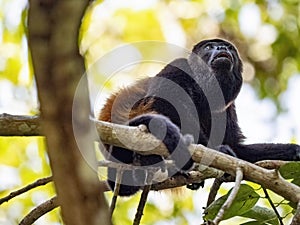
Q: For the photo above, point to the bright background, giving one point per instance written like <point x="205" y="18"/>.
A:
<point x="265" y="32"/>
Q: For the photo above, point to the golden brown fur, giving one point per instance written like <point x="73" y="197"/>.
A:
<point x="126" y="103"/>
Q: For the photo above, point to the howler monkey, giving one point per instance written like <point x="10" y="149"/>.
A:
<point x="190" y="97"/>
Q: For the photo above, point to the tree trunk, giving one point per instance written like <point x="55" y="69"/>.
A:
<point x="53" y="40"/>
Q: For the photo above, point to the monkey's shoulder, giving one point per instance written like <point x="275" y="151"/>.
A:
<point x="175" y="75"/>
<point x="177" y="67"/>
<point x="126" y="103"/>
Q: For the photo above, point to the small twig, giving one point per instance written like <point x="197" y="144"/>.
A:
<point x="35" y="184"/>
<point x="296" y="219"/>
<point x="282" y="202"/>
<point x="141" y="206"/>
<point x="39" y="211"/>
<point x="231" y="197"/>
<point x="214" y="190"/>
<point x="143" y="199"/>
<point x="216" y="186"/>
<point x="116" y="190"/>
<point x="272" y="205"/>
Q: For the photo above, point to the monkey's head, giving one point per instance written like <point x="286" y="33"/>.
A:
<point x="218" y="58"/>
<point x="219" y="55"/>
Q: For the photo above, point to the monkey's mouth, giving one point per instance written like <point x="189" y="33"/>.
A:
<point x="223" y="60"/>
<point x="223" y="55"/>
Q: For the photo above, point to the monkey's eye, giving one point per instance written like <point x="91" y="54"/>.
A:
<point x="208" y="47"/>
<point x="230" y="47"/>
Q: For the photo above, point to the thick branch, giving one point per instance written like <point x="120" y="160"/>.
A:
<point x="269" y="179"/>
<point x="111" y="134"/>
<point x="133" y="138"/>
<point x="11" y="125"/>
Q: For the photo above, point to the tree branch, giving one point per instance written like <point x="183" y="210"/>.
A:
<point x="35" y="184"/>
<point x="231" y="197"/>
<point x="296" y="219"/>
<point x="137" y="139"/>
<point x="273" y="206"/>
<point x="216" y="186"/>
<point x="13" y="125"/>
<point x="116" y="190"/>
<point x="39" y="211"/>
<point x="145" y="143"/>
<point x="196" y="176"/>
<point x="143" y="199"/>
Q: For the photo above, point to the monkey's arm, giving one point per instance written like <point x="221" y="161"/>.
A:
<point x="257" y="152"/>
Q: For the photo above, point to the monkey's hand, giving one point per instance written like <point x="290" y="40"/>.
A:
<point x="163" y="129"/>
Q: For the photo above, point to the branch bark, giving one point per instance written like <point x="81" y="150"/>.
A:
<point x="13" y="125"/>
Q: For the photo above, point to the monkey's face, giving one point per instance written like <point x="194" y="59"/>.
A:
<point x="218" y="55"/>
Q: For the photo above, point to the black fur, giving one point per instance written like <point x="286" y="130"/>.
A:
<point x="196" y="96"/>
<point x="162" y="128"/>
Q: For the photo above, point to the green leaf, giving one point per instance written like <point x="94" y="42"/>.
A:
<point x="262" y="215"/>
<point x="290" y="170"/>
<point x="296" y="181"/>
<point x="244" y="201"/>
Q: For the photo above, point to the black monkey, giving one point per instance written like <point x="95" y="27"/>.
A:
<point x="195" y="96"/>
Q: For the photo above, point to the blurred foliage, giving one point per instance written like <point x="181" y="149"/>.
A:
<point x="266" y="33"/>
<point x="23" y="161"/>
<point x="13" y="50"/>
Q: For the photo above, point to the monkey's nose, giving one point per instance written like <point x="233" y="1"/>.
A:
<point x="222" y="47"/>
